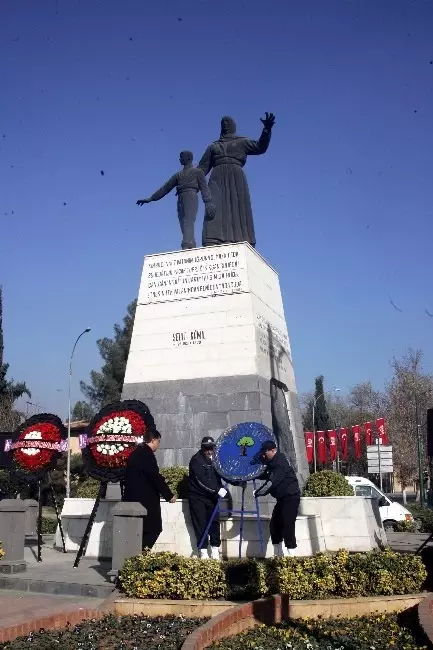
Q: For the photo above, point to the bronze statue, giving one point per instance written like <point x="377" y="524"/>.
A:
<point x="233" y="221"/>
<point x="188" y="182"/>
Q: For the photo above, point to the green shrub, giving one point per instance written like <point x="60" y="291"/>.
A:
<point x="422" y="515"/>
<point x="336" y="575"/>
<point x="167" y="575"/>
<point x="405" y="526"/>
<point x="49" y="526"/>
<point x="378" y="631"/>
<point x="327" y="484"/>
<point x="112" y="633"/>
<point x="177" y="479"/>
<point x="88" y="488"/>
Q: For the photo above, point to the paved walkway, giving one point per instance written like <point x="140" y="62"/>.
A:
<point x="56" y="574"/>
<point x="17" y="608"/>
<point x="54" y="589"/>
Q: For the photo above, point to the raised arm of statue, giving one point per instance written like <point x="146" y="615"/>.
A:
<point x="257" y="147"/>
<point x="163" y="191"/>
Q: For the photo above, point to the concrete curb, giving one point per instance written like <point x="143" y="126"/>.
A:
<point x="274" y="610"/>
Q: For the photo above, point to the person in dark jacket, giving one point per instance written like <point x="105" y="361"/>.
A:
<point x="204" y="488"/>
<point x="284" y="487"/>
<point x="144" y="483"/>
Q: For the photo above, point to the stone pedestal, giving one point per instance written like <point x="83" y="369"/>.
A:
<point x="31" y="517"/>
<point x="127" y="533"/>
<point x="210" y="349"/>
<point x="12" y="535"/>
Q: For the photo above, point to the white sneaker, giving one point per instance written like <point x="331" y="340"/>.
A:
<point x="203" y="554"/>
<point x="214" y="553"/>
<point x="288" y="552"/>
<point x="278" y="550"/>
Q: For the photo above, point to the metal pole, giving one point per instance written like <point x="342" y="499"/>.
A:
<point x="68" y="458"/>
<point x="314" y="438"/>
<point x="380" y="469"/>
<point x="419" y="442"/>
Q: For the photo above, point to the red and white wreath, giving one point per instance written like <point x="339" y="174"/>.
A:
<point x="37" y="444"/>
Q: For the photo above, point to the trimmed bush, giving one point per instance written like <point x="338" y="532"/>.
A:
<point x="405" y="527"/>
<point x="49" y="526"/>
<point x="167" y="575"/>
<point x="177" y="479"/>
<point x="337" y="575"/>
<point x="88" y="488"/>
<point x="380" y="632"/>
<point x="327" y="484"/>
<point x="422" y="515"/>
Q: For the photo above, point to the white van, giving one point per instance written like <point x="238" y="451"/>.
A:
<point x="390" y="511"/>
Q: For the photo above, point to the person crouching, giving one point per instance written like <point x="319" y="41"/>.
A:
<point x="284" y="487"/>
<point x="204" y="488"/>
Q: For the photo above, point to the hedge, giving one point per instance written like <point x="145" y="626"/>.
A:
<point x="327" y="484"/>
<point x="337" y="575"/>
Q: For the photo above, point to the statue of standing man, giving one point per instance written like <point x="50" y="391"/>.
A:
<point x="188" y="182"/>
<point x="233" y="221"/>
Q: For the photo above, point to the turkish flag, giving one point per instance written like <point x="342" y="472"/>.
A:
<point x="309" y="445"/>
<point x="321" y="447"/>
<point x="356" y="430"/>
<point x="332" y="441"/>
<point x="381" y="431"/>
<point x="343" y="443"/>
<point x="368" y="433"/>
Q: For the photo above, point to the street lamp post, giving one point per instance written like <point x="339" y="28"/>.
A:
<point x="419" y="443"/>
<point x="334" y="390"/>
<point x="68" y="459"/>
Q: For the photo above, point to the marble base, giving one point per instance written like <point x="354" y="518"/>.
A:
<point x="210" y="349"/>
<point x="322" y="525"/>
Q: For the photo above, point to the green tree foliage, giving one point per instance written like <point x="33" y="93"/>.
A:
<point x="322" y="419"/>
<point x="106" y="385"/>
<point x="82" y="411"/>
<point x="10" y="390"/>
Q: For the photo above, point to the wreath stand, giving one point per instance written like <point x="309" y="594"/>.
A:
<point x="101" y="495"/>
<point x="242" y="512"/>
<point x="39" y="518"/>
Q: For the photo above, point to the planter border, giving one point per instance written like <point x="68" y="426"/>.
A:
<point x="234" y="618"/>
<point x="275" y="609"/>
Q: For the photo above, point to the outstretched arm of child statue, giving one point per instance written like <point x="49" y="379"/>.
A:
<point x="163" y="191"/>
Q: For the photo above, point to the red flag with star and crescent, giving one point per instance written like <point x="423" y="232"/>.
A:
<point x="356" y="430"/>
<point x="321" y="447"/>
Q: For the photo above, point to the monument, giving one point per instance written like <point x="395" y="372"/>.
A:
<point x="210" y="346"/>
<point x="188" y="183"/>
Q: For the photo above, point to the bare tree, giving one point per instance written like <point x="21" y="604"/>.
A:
<point x="408" y="396"/>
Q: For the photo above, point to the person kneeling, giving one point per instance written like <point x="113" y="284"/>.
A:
<point x="204" y="488"/>
<point x="284" y="487"/>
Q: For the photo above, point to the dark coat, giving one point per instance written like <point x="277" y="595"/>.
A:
<point x="203" y="482"/>
<point x="229" y="188"/>
<point x="282" y="479"/>
<point x="144" y="483"/>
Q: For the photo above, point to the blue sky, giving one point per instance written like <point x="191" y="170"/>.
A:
<point x="343" y="199"/>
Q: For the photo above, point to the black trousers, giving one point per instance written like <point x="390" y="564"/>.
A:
<point x="187" y="206"/>
<point x="283" y="521"/>
<point x="152" y="524"/>
<point x="201" y="511"/>
<point x="149" y="538"/>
